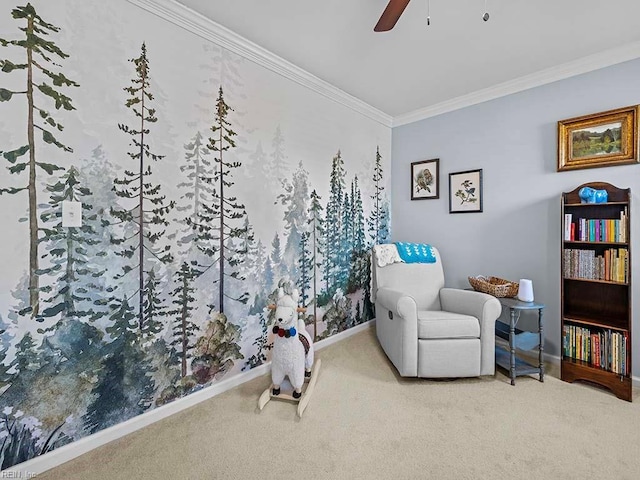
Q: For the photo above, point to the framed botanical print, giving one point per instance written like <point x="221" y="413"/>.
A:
<point x="465" y="191"/>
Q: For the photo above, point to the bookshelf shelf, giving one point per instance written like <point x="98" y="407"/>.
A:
<point x="623" y="284"/>
<point x="614" y="244"/>
<point x="596" y="290"/>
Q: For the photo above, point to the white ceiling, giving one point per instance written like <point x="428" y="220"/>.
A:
<point x="414" y="67"/>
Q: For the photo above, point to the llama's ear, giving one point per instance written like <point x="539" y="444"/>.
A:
<point x="280" y="292"/>
<point x="295" y="295"/>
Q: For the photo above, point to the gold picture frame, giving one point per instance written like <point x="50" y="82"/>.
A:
<point x="599" y="140"/>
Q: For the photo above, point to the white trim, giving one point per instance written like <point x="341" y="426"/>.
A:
<point x="206" y="28"/>
<point x="543" y="77"/>
<point x="72" y="450"/>
<point x="344" y="335"/>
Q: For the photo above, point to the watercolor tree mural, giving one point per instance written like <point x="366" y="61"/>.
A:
<point x="131" y="316"/>
<point x="41" y="83"/>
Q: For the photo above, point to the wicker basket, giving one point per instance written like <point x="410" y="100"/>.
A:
<point x="498" y="287"/>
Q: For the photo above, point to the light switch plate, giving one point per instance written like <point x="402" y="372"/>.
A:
<point x="71" y="214"/>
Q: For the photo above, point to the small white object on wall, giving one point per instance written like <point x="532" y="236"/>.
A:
<point x="71" y="214"/>
<point x="525" y="290"/>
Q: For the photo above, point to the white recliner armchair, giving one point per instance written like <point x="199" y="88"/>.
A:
<point x="427" y="330"/>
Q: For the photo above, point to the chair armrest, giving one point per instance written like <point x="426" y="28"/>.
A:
<point x="483" y="306"/>
<point x="486" y="308"/>
<point x="397" y="302"/>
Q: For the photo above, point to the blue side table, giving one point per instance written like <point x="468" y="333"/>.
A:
<point x="519" y="340"/>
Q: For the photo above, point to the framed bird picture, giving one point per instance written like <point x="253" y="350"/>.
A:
<point x="425" y="180"/>
<point x="465" y="191"/>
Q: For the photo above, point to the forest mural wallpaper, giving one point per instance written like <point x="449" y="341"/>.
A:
<point x="205" y="181"/>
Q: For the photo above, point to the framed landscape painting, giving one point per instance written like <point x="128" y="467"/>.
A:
<point x="425" y="180"/>
<point x="465" y="191"/>
<point x="599" y="140"/>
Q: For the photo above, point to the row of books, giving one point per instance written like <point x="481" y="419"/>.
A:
<point x="602" y="348"/>
<point x="612" y="265"/>
<point x="596" y="230"/>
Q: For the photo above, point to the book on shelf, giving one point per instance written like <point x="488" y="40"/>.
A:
<point x="568" y="226"/>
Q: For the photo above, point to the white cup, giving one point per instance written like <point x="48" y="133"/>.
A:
<point x="525" y="290"/>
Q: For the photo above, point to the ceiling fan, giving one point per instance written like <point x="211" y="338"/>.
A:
<point x="391" y="15"/>
<point x="395" y="8"/>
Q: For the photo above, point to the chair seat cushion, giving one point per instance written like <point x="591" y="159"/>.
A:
<point x="441" y="324"/>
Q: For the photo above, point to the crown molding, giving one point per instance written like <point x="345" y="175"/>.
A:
<point x="207" y="29"/>
<point x="586" y="64"/>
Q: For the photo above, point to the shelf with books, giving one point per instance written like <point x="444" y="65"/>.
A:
<point x="606" y="349"/>
<point x="596" y="290"/>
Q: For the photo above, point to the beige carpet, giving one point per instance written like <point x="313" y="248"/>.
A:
<point x="365" y="422"/>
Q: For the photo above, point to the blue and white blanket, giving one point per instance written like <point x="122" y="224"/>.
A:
<point x="415" y="252"/>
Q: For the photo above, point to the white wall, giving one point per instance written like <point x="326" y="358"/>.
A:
<point x="514" y="140"/>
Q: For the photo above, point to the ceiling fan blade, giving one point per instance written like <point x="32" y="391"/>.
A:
<point x="390" y="15"/>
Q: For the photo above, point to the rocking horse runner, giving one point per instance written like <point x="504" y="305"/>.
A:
<point x="293" y="355"/>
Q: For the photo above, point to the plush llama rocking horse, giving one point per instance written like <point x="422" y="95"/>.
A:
<point x="292" y="357"/>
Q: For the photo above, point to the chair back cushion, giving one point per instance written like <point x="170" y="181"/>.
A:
<point x="422" y="281"/>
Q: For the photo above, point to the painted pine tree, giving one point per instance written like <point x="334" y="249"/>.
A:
<point x="276" y="259"/>
<point x="378" y="221"/>
<point x="197" y="190"/>
<point x="315" y="224"/>
<point x="5" y="342"/>
<point x="42" y="84"/>
<point x="294" y="199"/>
<point x="305" y="267"/>
<point x="216" y="226"/>
<point x="258" y="164"/>
<point x="358" y="263"/>
<point x="75" y="277"/>
<point x="256" y="270"/>
<point x="346" y="238"/>
<point x="277" y="167"/>
<point x="261" y="343"/>
<point x="92" y="173"/>
<point x="359" y="239"/>
<point x="144" y="217"/>
<point x="184" y="329"/>
<point x="223" y="67"/>
<point x="154" y="308"/>
<point x="334" y="224"/>
<point x="269" y="276"/>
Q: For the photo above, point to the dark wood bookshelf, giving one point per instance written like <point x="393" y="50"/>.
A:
<point x="593" y="304"/>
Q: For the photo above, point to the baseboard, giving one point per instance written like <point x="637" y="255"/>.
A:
<point x="42" y="463"/>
